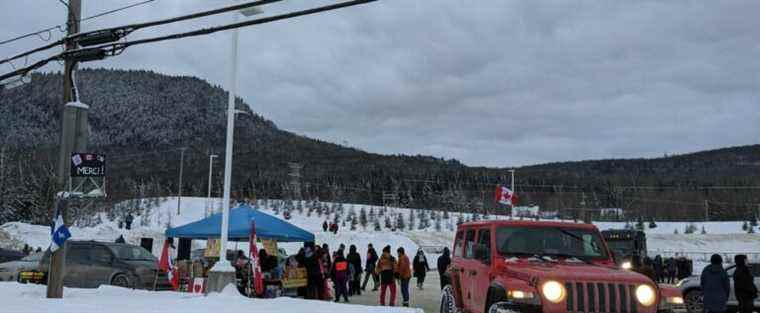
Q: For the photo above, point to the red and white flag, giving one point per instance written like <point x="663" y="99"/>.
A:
<point x="505" y="196"/>
<point x="258" y="277"/>
<point x="165" y="264"/>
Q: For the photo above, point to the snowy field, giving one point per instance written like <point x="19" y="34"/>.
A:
<point x="31" y="298"/>
<point x="722" y="237"/>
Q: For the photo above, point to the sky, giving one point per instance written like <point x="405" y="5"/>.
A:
<point x="488" y="82"/>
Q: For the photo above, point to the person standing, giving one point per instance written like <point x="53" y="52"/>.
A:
<point x="404" y="271"/>
<point x="658" y="269"/>
<point x="356" y="261"/>
<point x="715" y="286"/>
<point x="324" y="226"/>
<point x="386" y="267"/>
<point x="315" y="278"/>
<point x="421" y="267"/>
<point x="443" y="263"/>
<point x="369" y="268"/>
<point x="128" y="221"/>
<point x="670" y="264"/>
<point x="340" y="272"/>
<point x="744" y="285"/>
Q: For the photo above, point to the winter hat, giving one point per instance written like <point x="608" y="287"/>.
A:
<point x="387" y="249"/>
<point x="716" y="259"/>
<point x="400" y="250"/>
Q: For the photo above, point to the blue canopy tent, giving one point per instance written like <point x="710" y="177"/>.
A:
<point x="267" y="227"/>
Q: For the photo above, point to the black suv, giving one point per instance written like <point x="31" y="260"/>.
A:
<point x="90" y="264"/>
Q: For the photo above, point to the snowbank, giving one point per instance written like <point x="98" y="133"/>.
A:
<point x="31" y="298"/>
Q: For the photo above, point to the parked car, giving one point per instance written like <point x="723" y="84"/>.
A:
<point x="692" y="290"/>
<point x="9" y="271"/>
<point x="90" y="264"/>
<point x="10" y="255"/>
<point x="534" y="266"/>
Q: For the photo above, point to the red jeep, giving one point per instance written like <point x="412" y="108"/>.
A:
<point x="529" y="266"/>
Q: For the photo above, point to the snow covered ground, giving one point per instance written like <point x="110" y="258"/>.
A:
<point x="722" y="237"/>
<point x="31" y="298"/>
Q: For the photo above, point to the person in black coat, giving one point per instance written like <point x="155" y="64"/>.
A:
<point x="355" y="282"/>
<point x="369" y="268"/>
<point x="420" y="267"/>
<point x="715" y="286"/>
<point x="659" y="271"/>
<point x="443" y="263"/>
<point x="744" y="285"/>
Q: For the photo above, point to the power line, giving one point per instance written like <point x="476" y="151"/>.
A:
<point x="60" y="26"/>
<point x="113" y="49"/>
<point x="124" y="30"/>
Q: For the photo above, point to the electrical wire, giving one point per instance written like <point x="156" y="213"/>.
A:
<point x="113" y="49"/>
<point x="60" y="26"/>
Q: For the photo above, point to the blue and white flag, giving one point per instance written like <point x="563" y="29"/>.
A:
<point x="59" y="233"/>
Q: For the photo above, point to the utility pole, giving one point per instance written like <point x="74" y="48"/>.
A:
<point x="181" y="168"/>
<point x="74" y="135"/>
<point x="707" y="211"/>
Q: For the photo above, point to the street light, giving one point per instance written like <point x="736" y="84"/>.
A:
<point x="209" y="208"/>
<point x="224" y="265"/>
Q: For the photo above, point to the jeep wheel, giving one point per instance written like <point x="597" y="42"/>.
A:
<point x="694" y="301"/>
<point x="501" y="307"/>
<point x="448" y="304"/>
<point x="120" y="281"/>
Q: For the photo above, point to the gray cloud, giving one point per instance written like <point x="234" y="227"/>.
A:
<point x="497" y="83"/>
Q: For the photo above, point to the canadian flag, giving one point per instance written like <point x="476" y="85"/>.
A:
<point x="505" y="196"/>
<point x="165" y="264"/>
<point x="257" y="276"/>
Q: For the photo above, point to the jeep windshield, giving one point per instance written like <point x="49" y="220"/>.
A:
<point x="132" y="253"/>
<point x="550" y="242"/>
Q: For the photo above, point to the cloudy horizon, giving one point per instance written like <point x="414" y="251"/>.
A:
<point x="503" y="83"/>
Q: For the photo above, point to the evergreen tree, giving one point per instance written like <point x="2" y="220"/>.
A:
<point x="438" y="223"/>
<point x="675" y="231"/>
<point x="690" y="229"/>
<point x="446" y="215"/>
<point x="640" y="223"/>
<point x="354" y="222"/>
<point x="376" y="223"/>
<point x="388" y="224"/>
<point x="652" y="224"/>
<point x="751" y="230"/>
<point x="412" y="219"/>
<point x="745" y="226"/>
<point x="363" y="217"/>
<point x="703" y="230"/>
<point x="460" y="219"/>
<point x="400" y="224"/>
<point x="753" y="221"/>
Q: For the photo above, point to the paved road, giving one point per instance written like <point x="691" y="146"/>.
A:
<point x="427" y="299"/>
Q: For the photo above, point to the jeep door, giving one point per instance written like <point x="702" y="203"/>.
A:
<point x="101" y="267"/>
<point x="468" y="271"/>
<point x="481" y="270"/>
<point x="77" y="266"/>
<point x="457" y="267"/>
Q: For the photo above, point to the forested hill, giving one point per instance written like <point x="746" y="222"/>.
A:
<point x="141" y="119"/>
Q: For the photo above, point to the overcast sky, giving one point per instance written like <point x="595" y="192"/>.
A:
<point x="494" y="83"/>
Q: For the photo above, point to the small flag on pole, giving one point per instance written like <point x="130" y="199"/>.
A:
<point x="59" y="233"/>
<point x="166" y="265"/>
<point x="257" y="276"/>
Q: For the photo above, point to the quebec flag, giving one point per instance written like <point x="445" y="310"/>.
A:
<point x="59" y="233"/>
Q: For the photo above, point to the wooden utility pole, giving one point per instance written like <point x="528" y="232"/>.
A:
<point x="74" y="132"/>
<point x="707" y="211"/>
<point x="181" y="169"/>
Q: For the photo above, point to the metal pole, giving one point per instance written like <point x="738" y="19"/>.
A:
<point x="513" y="180"/>
<point x="707" y="211"/>
<point x="209" y="209"/>
<point x="179" y="188"/>
<point x="223" y="264"/>
<point x="74" y="134"/>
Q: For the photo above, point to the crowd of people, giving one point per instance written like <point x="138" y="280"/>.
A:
<point x="340" y="274"/>
<point x="665" y="270"/>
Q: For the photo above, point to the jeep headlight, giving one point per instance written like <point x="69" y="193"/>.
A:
<point x="646" y="295"/>
<point x="553" y="291"/>
<point x="626" y="265"/>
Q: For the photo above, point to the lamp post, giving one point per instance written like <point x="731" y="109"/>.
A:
<point x="209" y="208"/>
<point x="224" y="265"/>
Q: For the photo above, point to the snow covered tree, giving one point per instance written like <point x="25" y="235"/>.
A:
<point x="675" y="231"/>
<point x="438" y="222"/>
<point x="460" y="219"/>
<point x="388" y="223"/>
<point x="412" y="220"/>
<point x="400" y="224"/>
<point x="446" y="215"/>
<point x="354" y="222"/>
<point x="690" y="229"/>
<point x="745" y="226"/>
<point x="652" y="224"/>
<point x="640" y="223"/>
<point x="703" y="230"/>
<point x="363" y="217"/>
<point x="376" y="224"/>
<point x="751" y="230"/>
<point x="753" y="221"/>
